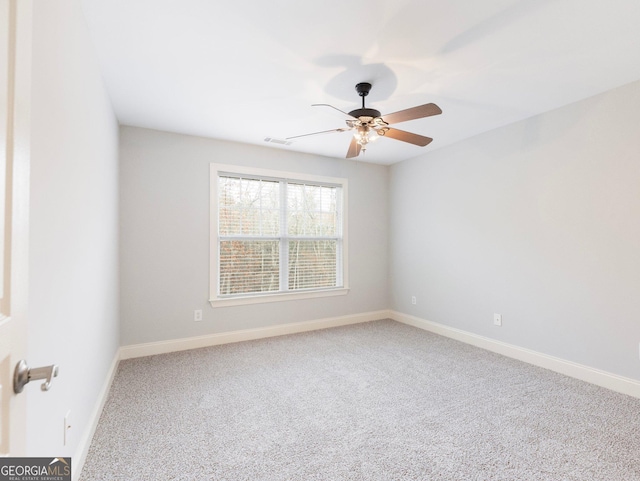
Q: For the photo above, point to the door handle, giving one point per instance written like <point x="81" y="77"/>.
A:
<point x="23" y="374"/>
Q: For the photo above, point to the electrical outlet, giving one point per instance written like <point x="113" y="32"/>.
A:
<point x="413" y="300"/>
<point x="497" y="319"/>
<point x="67" y="427"/>
<point x="197" y="315"/>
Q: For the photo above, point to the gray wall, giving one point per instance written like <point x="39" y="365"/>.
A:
<point x="164" y="214"/>
<point x="73" y="274"/>
<point x="538" y="221"/>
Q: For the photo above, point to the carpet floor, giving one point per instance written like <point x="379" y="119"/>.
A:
<point x="372" y="401"/>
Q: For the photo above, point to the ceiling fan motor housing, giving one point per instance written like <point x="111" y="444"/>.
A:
<point x="357" y="113"/>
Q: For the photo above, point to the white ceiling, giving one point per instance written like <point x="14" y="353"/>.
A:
<point x="244" y="70"/>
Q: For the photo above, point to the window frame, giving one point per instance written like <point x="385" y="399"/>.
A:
<point x="256" y="298"/>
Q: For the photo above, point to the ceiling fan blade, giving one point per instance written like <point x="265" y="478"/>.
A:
<point x="414" y="139"/>
<point x="316" y="133"/>
<point x="354" y="148"/>
<point x="419" y="112"/>
<point x="334" y="108"/>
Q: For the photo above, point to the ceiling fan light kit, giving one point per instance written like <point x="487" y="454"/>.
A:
<point x="368" y="124"/>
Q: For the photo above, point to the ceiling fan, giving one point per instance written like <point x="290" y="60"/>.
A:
<point x="369" y="124"/>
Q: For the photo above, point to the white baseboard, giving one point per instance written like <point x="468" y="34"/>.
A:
<point x="85" y="442"/>
<point x="162" y="347"/>
<point x="579" y="371"/>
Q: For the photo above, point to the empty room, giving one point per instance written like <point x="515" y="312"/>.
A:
<point x="340" y="240"/>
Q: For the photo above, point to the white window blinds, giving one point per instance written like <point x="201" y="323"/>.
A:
<point x="278" y="235"/>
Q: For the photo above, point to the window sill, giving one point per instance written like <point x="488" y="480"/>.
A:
<point x="240" y="301"/>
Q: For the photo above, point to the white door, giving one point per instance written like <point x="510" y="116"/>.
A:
<point x="15" y="86"/>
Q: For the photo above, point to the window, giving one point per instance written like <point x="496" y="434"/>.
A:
<point x="275" y="236"/>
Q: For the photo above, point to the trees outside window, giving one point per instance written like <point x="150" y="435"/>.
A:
<point x="277" y="235"/>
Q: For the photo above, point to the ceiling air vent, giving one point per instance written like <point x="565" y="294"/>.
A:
<point x="277" y="141"/>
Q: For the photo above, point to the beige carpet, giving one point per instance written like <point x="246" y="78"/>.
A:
<point x="373" y="401"/>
